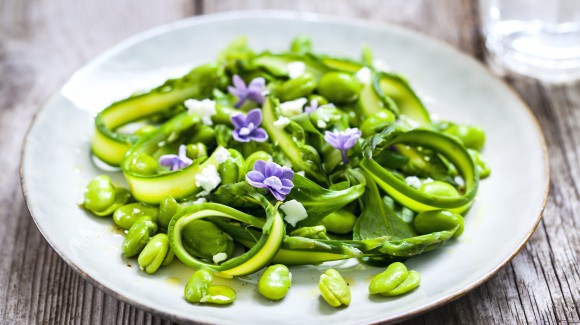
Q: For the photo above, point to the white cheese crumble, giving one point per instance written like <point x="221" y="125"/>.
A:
<point x="294" y="212"/>
<point x="459" y="180"/>
<point x="282" y="122"/>
<point x="293" y="107"/>
<point x="428" y="180"/>
<point x="295" y="69"/>
<point x="219" y="257"/>
<point x="221" y="155"/>
<point x="413" y="181"/>
<point x="321" y="124"/>
<point x="208" y="179"/>
<point x="204" y="108"/>
<point x="364" y="75"/>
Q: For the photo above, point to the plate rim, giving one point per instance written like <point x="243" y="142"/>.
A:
<point x="286" y="14"/>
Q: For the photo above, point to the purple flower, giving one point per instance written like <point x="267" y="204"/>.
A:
<point x="312" y="107"/>
<point x="254" y="91"/>
<point x="273" y="177"/>
<point x="343" y="140"/>
<point x="247" y="126"/>
<point x="175" y="162"/>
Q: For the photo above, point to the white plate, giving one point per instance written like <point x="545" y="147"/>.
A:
<point x="56" y="164"/>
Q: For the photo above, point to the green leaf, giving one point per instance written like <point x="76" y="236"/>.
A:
<point x="377" y="218"/>
<point x="318" y="201"/>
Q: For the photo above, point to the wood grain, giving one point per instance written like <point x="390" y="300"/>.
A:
<point x="42" y="42"/>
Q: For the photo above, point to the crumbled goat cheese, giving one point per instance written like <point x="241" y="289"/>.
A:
<point x="293" y="107"/>
<point x="219" y="257"/>
<point x="413" y="181"/>
<point x="281" y="122"/>
<point x="204" y="108"/>
<point x="294" y="212"/>
<point x="428" y="180"/>
<point x="459" y="180"/>
<point x="321" y="124"/>
<point x="296" y="69"/>
<point x="208" y="179"/>
<point x="221" y="155"/>
<point x="364" y="75"/>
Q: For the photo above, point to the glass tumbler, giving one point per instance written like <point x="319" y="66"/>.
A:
<point x="538" y="38"/>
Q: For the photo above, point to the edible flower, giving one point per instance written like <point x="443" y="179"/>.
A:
<point x="247" y="127"/>
<point x="175" y="162"/>
<point x="343" y="140"/>
<point x="272" y="177"/>
<point x="254" y="91"/>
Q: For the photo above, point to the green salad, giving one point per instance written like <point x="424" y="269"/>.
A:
<point x="274" y="159"/>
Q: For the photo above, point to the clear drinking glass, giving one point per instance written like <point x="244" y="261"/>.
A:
<point x="538" y="38"/>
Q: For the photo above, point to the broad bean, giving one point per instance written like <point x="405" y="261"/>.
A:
<point x="376" y="122"/>
<point x="198" y="285"/>
<point x="334" y="289"/>
<point x="439" y="188"/>
<point x="472" y="137"/>
<point x="154" y="254"/>
<point x="338" y="87"/>
<point x="141" y="163"/>
<point x="427" y="222"/>
<point x="395" y="280"/>
<point x="219" y="295"/>
<point x="138" y="236"/>
<point x="195" y="151"/>
<point x="275" y="282"/>
<point x="339" y="222"/>
<point x="204" y="239"/>
<point x="102" y="198"/>
<point x="300" y="86"/>
<point x="126" y="215"/>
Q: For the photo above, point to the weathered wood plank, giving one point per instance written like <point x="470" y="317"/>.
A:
<point x="41" y="44"/>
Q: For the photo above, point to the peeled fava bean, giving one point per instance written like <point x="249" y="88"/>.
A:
<point x="200" y="290"/>
<point x="275" y="282"/>
<point x="155" y="253"/>
<point x="395" y="280"/>
<point x="427" y="222"/>
<point x="102" y="198"/>
<point x="197" y="286"/>
<point x="138" y="236"/>
<point x="204" y="239"/>
<point x="339" y="87"/>
<point x="334" y="288"/>
<point x="128" y="214"/>
<point x="339" y="222"/>
<point x="438" y="188"/>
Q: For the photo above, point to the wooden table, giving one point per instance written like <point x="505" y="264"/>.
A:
<point x="42" y="42"/>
